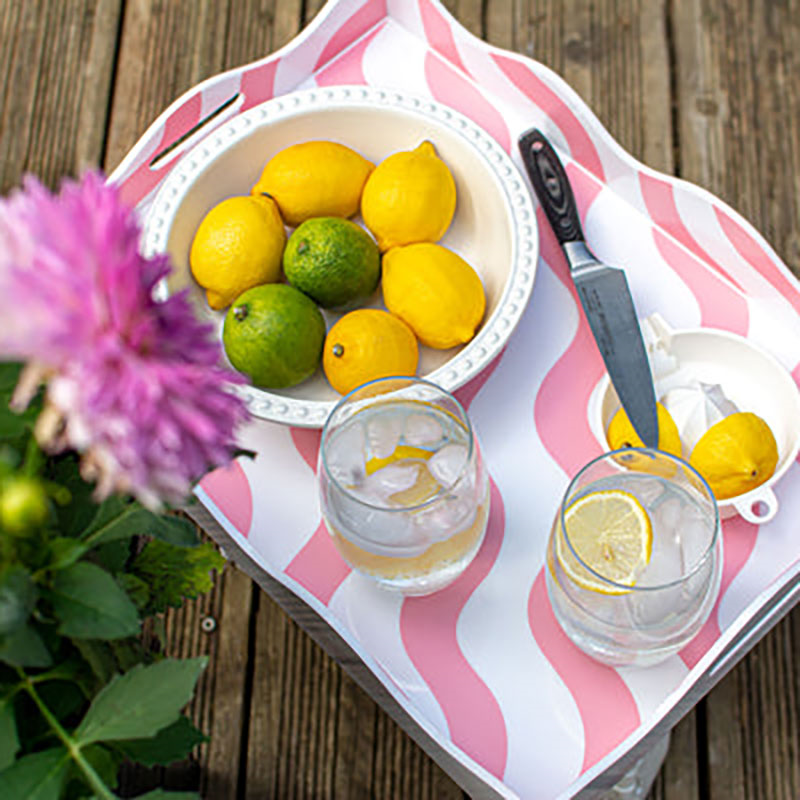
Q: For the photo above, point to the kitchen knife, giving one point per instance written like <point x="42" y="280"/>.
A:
<point x="602" y="289"/>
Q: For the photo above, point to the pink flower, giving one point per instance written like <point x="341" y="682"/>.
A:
<point x="133" y="384"/>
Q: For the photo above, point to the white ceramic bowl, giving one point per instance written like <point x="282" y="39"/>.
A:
<point x="749" y="376"/>
<point x="494" y="228"/>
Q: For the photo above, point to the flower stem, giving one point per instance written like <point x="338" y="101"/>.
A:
<point x="73" y="748"/>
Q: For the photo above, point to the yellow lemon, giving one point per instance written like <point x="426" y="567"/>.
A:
<point x="367" y="344"/>
<point x="400" y="453"/>
<point x="736" y="455"/>
<point x="410" y="197"/>
<point x="315" y="179"/>
<point x="622" y="434"/>
<point x="612" y="534"/>
<point x="238" y="245"/>
<point x="435" y="291"/>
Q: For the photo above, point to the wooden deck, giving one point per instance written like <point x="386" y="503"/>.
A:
<point x="705" y="89"/>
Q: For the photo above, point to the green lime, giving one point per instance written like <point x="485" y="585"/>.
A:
<point x="274" y="335"/>
<point x="333" y="261"/>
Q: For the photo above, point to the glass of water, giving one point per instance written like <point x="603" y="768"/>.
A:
<point x="403" y="489"/>
<point x="634" y="557"/>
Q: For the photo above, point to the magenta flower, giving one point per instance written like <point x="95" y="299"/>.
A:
<point x="133" y="384"/>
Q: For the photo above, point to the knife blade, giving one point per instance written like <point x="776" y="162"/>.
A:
<point x="602" y="289"/>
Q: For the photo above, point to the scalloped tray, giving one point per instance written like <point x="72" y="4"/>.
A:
<point x="482" y="666"/>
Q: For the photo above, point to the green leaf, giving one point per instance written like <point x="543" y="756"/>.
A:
<point x="91" y="605"/>
<point x="24" y="648"/>
<point x="170" y="744"/>
<point x="109" y="517"/>
<point x="137" y="589"/>
<point x="175" y="573"/>
<point x="9" y="741"/>
<point x="99" y="656"/>
<point x="18" y="597"/>
<point x="9" y="375"/>
<point x="160" y="794"/>
<point x="73" y="517"/>
<point x="141" y="702"/>
<point x="125" y="521"/>
<point x="13" y="424"/>
<point x="38" y="776"/>
<point x="104" y="762"/>
<point x="64" y="552"/>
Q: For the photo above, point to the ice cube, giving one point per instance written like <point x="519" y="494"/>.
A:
<point x="392" y="478"/>
<point x="447" y="464"/>
<point x="383" y="434"/>
<point x="447" y="517"/>
<point x="345" y="456"/>
<point x="665" y="516"/>
<point x="647" y="490"/>
<point x="422" y="430"/>
<point x="374" y="530"/>
<point x="666" y="559"/>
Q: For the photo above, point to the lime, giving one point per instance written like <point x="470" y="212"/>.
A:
<point x="333" y="261"/>
<point x="274" y="335"/>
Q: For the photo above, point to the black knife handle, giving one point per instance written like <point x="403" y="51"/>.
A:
<point x="552" y="186"/>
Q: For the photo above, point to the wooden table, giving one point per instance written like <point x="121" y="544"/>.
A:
<point x="706" y="90"/>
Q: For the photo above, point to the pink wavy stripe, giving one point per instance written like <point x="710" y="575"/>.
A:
<point x="720" y="305"/>
<point x="585" y="187"/>
<point x="559" y="409"/>
<point x="349" y="67"/>
<point x="439" y="34"/>
<point x="466" y="394"/>
<point x="258" y="84"/>
<point x="306" y="442"/>
<point x="371" y="13"/>
<point x="428" y="626"/>
<point x="144" y="179"/>
<point x="753" y="253"/>
<point x="605" y="703"/>
<point x="538" y="92"/>
<point x="659" y="198"/>
<point x="229" y="489"/>
<point x="738" y="541"/>
<point x="450" y="87"/>
<point x="318" y="567"/>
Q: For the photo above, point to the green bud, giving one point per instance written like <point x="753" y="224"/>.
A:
<point x="23" y="505"/>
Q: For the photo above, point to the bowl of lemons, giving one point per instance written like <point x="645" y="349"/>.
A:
<point x="334" y="236"/>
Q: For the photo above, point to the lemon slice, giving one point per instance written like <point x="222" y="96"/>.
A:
<point x="611" y="532"/>
<point x="402" y="451"/>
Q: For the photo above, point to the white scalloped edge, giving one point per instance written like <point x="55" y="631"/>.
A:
<point x="495" y="331"/>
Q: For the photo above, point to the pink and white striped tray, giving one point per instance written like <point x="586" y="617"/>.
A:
<point x="482" y="666"/>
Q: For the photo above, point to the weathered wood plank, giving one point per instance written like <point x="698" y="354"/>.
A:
<point x="56" y="64"/>
<point x="737" y="82"/>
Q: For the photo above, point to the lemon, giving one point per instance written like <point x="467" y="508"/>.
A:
<point x="274" y="335"/>
<point x="612" y="534"/>
<point x="401" y="452"/>
<point x="367" y="344"/>
<point x="435" y="292"/>
<point x="409" y="197"/>
<point x="332" y="260"/>
<point x="315" y="179"/>
<point x="736" y="455"/>
<point x="622" y="434"/>
<point x="238" y="244"/>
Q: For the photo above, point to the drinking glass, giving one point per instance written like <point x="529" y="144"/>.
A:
<point x="664" y="602"/>
<point x="403" y="489"/>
